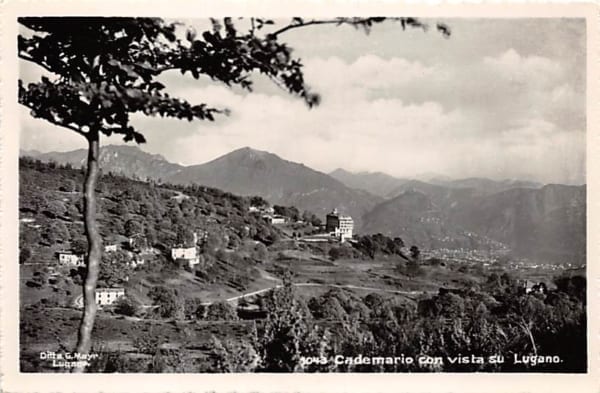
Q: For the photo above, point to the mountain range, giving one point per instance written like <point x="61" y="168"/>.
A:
<point x="128" y="161"/>
<point x="244" y="171"/>
<point x="387" y="186"/>
<point x="538" y="221"/>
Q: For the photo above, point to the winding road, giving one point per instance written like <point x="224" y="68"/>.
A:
<point x="408" y="294"/>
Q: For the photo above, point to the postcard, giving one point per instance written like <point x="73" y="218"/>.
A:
<point x="252" y="196"/>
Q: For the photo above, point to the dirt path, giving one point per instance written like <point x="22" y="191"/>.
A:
<point x="408" y="294"/>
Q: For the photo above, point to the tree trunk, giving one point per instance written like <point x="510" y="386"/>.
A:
<point x="84" y="338"/>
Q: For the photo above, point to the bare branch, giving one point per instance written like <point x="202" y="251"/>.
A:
<point x="303" y="24"/>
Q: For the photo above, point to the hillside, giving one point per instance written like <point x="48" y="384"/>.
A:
<point x="486" y="186"/>
<point x="542" y="224"/>
<point x="417" y="219"/>
<point x="51" y="211"/>
<point x="443" y="197"/>
<point x="549" y="222"/>
<point x="243" y="172"/>
<point x="252" y="172"/>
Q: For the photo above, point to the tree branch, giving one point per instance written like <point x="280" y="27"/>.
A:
<point x="21" y="56"/>
<point x="56" y="123"/>
<point x="303" y="24"/>
<point x="160" y="70"/>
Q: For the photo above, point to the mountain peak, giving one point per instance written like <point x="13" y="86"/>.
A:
<point x="340" y="172"/>
<point x="247" y="156"/>
<point x="134" y="150"/>
<point x="29" y="153"/>
<point x="246" y="150"/>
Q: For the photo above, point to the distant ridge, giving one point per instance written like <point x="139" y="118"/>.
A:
<point x="128" y="161"/>
<point x="388" y="186"/>
<point x="377" y="183"/>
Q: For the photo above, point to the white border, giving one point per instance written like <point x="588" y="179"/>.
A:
<point x="11" y="380"/>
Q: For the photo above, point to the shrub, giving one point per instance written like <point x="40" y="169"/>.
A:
<point x="340" y="252"/>
<point x="334" y="253"/>
<point x="147" y="343"/>
<point x="193" y="309"/>
<point x="327" y="308"/>
<point x="126" y="306"/>
<point x="232" y="356"/>
<point x="221" y="311"/>
<point x="260" y="253"/>
<point x="168" y="302"/>
<point x="378" y="243"/>
<point x="413" y="269"/>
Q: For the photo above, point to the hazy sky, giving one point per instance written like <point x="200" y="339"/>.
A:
<point x="499" y="98"/>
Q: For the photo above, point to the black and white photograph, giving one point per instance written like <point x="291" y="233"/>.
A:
<point x="367" y="194"/>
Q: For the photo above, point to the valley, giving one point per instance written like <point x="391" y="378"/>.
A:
<point x="407" y="263"/>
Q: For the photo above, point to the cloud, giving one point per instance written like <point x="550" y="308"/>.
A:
<point x="405" y="117"/>
<point x="499" y="91"/>
<point x="530" y="71"/>
<point x="502" y="115"/>
<point x="366" y="72"/>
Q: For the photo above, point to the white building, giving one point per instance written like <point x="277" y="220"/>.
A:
<point x="339" y="226"/>
<point x="183" y="253"/>
<point x="70" y="259"/>
<point x="110" y="248"/>
<point x="107" y="296"/>
<point x="274" y="219"/>
<point x="190" y="254"/>
<point x="135" y="262"/>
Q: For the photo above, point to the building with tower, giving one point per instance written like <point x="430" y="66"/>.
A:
<point x="339" y="226"/>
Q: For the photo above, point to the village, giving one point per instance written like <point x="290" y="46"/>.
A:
<point x="337" y="228"/>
